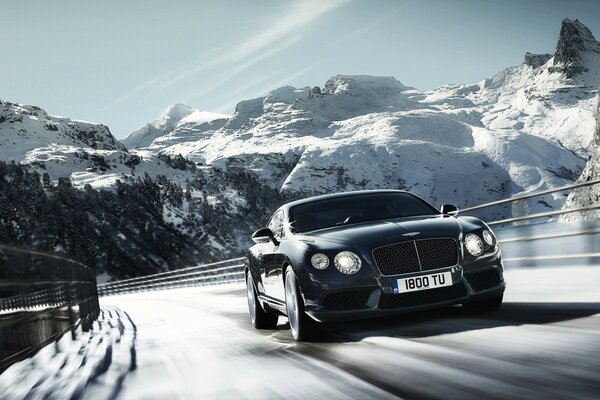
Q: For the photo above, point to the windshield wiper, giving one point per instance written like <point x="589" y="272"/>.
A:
<point x="350" y="220"/>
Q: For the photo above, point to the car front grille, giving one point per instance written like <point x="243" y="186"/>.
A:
<point x="348" y="300"/>
<point x="416" y="255"/>
<point x="485" y="279"/>
<point x="423" y="297"/>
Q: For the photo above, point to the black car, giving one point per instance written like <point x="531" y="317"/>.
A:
<point x="368" y="253"/>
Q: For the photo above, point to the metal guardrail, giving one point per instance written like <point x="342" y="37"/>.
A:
<point x="544" y="214"/>
<point x="207" y="274"/>
<point x="529" y="238"/>
<point x="42" y="296"/>
<point x="555" y="246"/>
<point x="532" y="195"/>
<point x="553" y="257"/>
<point x="536" y="194"/>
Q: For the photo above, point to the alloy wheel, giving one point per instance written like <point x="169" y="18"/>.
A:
<point x="251" y="298"/>
<point x="291" y="303"/>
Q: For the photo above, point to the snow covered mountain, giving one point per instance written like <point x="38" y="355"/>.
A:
<point x="85" y="152"/>
<point x="526" y="128"/>
<point x="191" y="186"/>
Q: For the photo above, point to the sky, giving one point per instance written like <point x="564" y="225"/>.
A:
<point x="121" y="62"/>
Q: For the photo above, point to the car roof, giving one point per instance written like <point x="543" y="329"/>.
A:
<point x="291" y="204"/>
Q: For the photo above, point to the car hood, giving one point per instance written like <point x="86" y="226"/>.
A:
<point x="377" y="233"/>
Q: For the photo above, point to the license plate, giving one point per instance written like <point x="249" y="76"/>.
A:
<point x="422" y="282"/>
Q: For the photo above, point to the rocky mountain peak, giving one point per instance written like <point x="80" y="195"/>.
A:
<point x="536" y="60"/>
<point x="574" y="43"/>
<point x="355" y="84"/>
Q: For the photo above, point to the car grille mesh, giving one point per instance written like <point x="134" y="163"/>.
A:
<point x="485" y="279"/>
<point x="399" y="258"/>
<point x="349" y="300"/>
<point x="416" y="255"/>
<point x="437" y="253"/>
<point x="423" y="297"/>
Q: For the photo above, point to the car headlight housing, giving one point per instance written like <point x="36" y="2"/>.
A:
<point x="347" y="262"/>
<point x="488" y="237"/>
<point x="473" y="244"/>
<point x="319" y="261"/>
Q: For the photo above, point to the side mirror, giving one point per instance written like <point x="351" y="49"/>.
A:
<point x="449" y="209"/>
<point x="264" y="235"/>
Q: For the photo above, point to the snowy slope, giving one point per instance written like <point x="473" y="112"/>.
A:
<point x="85" y="152"/>
<point x="590" y="195"/>
<point x="174" y="117"/>
<point x="525" y="128"/>
<point x="25" y="127"/>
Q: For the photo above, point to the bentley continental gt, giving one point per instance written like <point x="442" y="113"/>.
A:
<point x="368" y="253"/>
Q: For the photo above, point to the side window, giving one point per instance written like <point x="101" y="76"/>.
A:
<point x="276" y="224"/>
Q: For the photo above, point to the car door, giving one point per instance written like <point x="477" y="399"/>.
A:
<point x="272" y="260"/>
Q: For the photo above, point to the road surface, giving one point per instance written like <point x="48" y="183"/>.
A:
<point x="543" y="343"/>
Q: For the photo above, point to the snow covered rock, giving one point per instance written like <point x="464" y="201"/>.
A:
<point x="575" y="49"/>
<point x="24" y="127"/>
<point x="84" y="152"/>
<point x="590" y="195"/>
<point x="536" y="60"/>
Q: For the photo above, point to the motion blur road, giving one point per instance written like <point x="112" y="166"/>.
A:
<point x="543" y="342"/>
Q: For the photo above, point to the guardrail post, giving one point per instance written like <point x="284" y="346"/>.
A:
<point x="72" y="321"/>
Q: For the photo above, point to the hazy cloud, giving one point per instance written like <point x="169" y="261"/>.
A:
<point x="280" y="34"/>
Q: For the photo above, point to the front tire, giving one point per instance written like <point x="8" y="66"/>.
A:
<point x="484" y="305"/>
<point x="258" y="317"/>
<point x="302" y="326"/>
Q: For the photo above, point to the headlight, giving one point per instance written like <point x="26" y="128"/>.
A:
<point x="473" y="244"/>
<point x="319" y="261"/>
<point x="488" y="237"/>
<point x="347" y="262"/>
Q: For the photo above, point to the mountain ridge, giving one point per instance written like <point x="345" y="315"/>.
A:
<point x="531" y="123"/>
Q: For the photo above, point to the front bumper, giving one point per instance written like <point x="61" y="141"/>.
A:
<point x="358" y="302"/>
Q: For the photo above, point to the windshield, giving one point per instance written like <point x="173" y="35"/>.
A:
<point x="345" y="210"/>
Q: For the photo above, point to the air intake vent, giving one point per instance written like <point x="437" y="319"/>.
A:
<point x="482" y="280"/>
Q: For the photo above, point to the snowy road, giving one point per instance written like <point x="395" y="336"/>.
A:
<point x="544" y="342"/>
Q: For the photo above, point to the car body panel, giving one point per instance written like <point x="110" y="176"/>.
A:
<point x="268" y="261"/>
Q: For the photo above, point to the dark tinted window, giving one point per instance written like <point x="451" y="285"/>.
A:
<point x="356" y="208"/>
